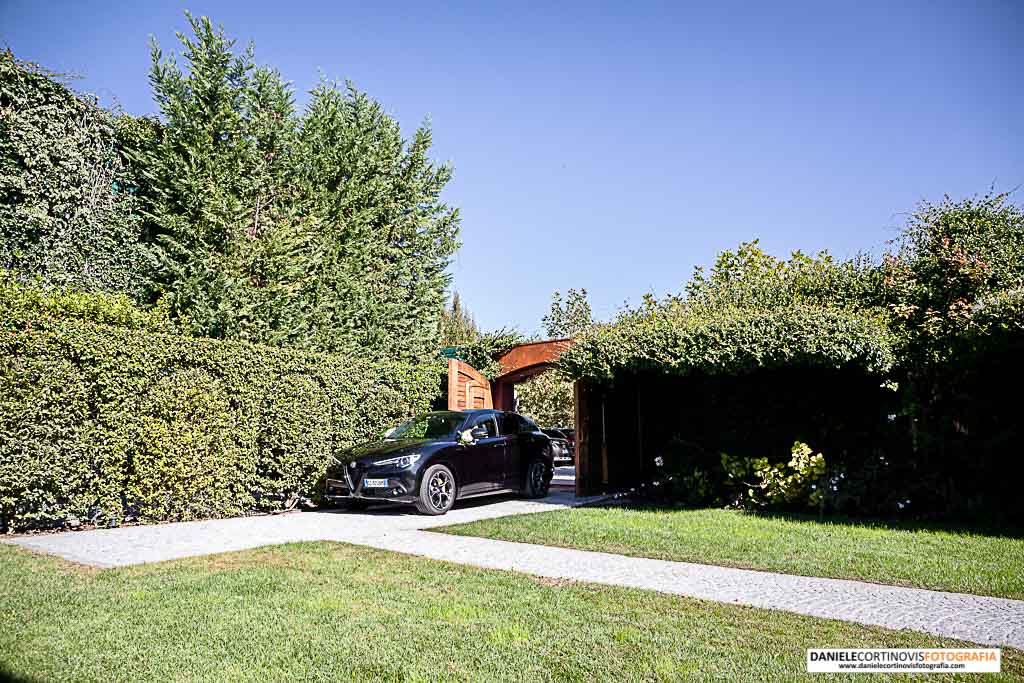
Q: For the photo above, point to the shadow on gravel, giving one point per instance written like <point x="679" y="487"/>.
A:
<point x="396" y="510"/>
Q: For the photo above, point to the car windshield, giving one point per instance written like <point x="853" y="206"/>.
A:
<point x="429" y="426"/>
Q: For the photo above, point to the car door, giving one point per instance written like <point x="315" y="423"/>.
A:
<point x="511" y="426"/>
<point x="532" y="444"/>
<point x="484" y="459"/>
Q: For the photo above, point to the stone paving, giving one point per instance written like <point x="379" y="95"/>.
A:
<point x="992" y="621"/>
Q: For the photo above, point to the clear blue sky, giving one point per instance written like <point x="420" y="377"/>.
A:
<point x="614" y="147"/>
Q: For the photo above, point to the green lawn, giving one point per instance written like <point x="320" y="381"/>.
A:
<point x="324" y="611"/>
<point x="904" y="555"/>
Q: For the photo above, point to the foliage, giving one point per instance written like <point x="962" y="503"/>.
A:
<point x="104" y="424"/>
<point x="30" y="298"/>
<point x="69" y="210"/>
<point x="751" y="279"/>
<point x="757" y="483"/>
<point x="954" y="293"/>
<point x="321" y="231"/>
<point x="458" y="328"/>
<point x="732" y="341"/>
<point x="797" y="483"/>
<point x="548" y="399"/>
<point x="956" y="277"/>
<point x="569" y="318"/>
<point x="484" y="351"/>
<point x="753" y="311"/>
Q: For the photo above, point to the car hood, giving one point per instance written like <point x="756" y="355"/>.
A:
<point x="377" y="450"/>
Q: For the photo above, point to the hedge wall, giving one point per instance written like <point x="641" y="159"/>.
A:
<point x="731" y="341"/>
<point x="103" y="425"/>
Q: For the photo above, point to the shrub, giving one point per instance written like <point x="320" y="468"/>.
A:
<point x="548" y="399"/>
<point x="24" y="297"/>
<point x="108" y="424"/>
<point x="732" y="341"/>
<point x="688" y="475"/>
<point x="69" y="208"/>
<point x="751" y="312"/>
<point x="797" y="483"/>
<point x="483" y="352"/>
<point x="955" y="294"/>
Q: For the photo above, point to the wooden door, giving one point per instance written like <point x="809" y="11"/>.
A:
<point x="467" y="388"/>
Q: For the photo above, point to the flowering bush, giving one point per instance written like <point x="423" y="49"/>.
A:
<point x="797" y="483"/>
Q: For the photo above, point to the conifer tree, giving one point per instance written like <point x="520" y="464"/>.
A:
<point x="322" y="230"/>
<point x="458" y="327"/>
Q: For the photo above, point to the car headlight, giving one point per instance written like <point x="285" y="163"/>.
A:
<point x="401" y="461"/>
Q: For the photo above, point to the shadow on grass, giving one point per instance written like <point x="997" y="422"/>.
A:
<point x="952" y="527"/>
<point x="7" y="676"/>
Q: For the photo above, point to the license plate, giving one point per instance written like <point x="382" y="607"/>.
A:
<point x="375" y="483"/>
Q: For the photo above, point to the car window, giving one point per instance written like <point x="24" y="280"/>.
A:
<point x="428" y="426"/>
<point x="510" y="423"/>
<point x="488" y="423"/>
<point x="527" y="425"/>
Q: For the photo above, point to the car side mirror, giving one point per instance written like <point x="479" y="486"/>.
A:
<point x="479" y="433"/>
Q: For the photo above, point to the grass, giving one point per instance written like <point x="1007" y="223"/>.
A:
<point x="932" y="557"/>
<point x="326" y="611"/>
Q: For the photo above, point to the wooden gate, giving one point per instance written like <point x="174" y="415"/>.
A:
<point x="467" y="388"/>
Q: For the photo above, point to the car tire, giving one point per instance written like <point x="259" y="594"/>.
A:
<point x="538" y="479"/>
<point x="437" y="491"/>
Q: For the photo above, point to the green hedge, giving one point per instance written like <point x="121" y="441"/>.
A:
<point x="27" y="297"/>
<point x="731" y="341"/>
<point x="104" y="424"/>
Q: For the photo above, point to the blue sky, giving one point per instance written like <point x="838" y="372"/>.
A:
<point x="614" y="147"/>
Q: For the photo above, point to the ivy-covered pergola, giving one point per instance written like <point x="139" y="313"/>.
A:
<point x="750" y="381"/>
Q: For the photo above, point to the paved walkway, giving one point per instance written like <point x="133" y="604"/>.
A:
<point x="994" y="621"/>
<point x="565" y="475"/>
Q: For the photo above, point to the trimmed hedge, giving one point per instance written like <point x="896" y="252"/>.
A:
<point x="103" y="425"/>
<point x="28" y="297"/>
<point x="731" y="341"/>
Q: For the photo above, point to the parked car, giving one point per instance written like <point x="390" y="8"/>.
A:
<point x="560" y="445"/>
<point x="437" y="458"/>
<point x="570" y="435"/>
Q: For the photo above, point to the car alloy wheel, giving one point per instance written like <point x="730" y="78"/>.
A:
<point x="537" y="480"/>
<point x="440" y="489"/>
<point x="537" y="477"/>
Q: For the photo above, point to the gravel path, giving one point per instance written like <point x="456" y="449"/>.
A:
<point x="993" y="621"/>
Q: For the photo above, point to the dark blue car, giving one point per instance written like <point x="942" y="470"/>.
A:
<point x="437" y="458"/>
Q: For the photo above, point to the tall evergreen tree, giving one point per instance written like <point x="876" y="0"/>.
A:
<point x="377" y="272"/>
<point x="223" y="238"/>
<point x="323" y="230"/>
<point x="458" y="327"/>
